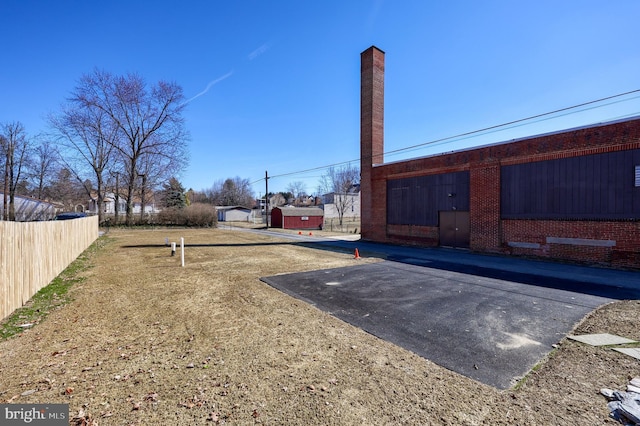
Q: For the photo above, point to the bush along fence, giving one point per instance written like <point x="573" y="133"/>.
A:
<point x="32" y="254"/>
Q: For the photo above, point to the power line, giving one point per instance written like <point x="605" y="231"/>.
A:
<point x="513" y="122"/>
<point x="489" y="129"/>
<point x="518" y="123"/>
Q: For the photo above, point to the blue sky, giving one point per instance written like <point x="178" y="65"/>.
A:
<point x="275" y="85"/>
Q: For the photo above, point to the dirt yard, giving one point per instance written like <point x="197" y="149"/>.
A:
<point x="146" y="342"/>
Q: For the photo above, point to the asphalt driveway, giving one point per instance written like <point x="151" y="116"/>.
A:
<point x="487" y="317"/>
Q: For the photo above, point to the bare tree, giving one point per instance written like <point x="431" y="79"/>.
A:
<point x="297" y="189"/>
<point x="113" y="182"/>
<point x="201" y="196"/>
<point x="337" y="186"/>
<point x="153" y="172"/>
<point x="66" y="189"/>
<point x="4" y="164"/>
<point x="14" y="147"/>
<point x="232" y="192"/>
<point x="149" y="122"/>
<point x="43" y="167"/>
<point x="89" y="137"/>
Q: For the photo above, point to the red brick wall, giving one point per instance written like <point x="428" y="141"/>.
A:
<point x="626" y="234"/>
<point x="413" y="235"/>
<point x="491" y="234"/>
<point x="484" y="206"/>
<point x="487" y="231"/>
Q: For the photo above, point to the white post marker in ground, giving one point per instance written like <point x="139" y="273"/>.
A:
<point x="182" y="250"/>
<point x="173" y="249"/>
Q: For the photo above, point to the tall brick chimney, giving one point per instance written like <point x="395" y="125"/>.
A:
<point x="371" y="129"/>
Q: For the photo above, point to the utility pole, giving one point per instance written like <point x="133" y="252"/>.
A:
<point x="266" y="197"/>
<point x="144" y="185"/>
<point x="117" y="198"/>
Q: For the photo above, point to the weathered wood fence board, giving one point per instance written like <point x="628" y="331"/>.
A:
<point x="32" y="254"/>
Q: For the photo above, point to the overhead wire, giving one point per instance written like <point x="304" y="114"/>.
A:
<point x="513" y="125"/>
<point x="485" y="130"/>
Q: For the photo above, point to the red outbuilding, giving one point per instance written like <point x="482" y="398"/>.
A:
<point x="297" y="217"/>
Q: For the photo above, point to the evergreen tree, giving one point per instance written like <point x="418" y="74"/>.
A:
<point x="174" y="194"/>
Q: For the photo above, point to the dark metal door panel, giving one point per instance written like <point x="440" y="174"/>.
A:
<point x="463" y="229"/>
<point x="454" y="229"/>
<point x="448" y="229"/>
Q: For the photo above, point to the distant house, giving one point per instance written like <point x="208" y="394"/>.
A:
<point x="348" y="203"/>
<point x="297" y="217"/>
<point x="109" y="205"/>
<point x="277" y="200"/>
<point x="233" y="213"/>
<point x="150" y="207"/>
<point x="29" y="209"/>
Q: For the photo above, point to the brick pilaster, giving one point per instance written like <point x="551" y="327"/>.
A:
<point x="484" y="208"/>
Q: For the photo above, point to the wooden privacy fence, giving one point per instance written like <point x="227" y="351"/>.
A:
<point x="32" y="254"/>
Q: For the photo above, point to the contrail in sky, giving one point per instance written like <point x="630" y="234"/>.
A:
<point x="211" y="84"/>
<point x="259" y="51"/>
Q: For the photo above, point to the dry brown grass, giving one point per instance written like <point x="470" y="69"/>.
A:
<point x="147" y="342"/>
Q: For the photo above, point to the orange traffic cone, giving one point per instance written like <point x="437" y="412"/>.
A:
<point x="299" y="232"/>
<point x="310" y="234"/>
<point x="357" y="255"/>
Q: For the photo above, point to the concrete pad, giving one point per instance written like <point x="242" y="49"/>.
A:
<point x="632" y="352"/>
<point x="603" y="339"/>
<point x="491" y="330"/>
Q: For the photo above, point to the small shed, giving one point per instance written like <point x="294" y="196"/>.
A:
<point x="233" y="213"/>
<point x="297" y="217"/>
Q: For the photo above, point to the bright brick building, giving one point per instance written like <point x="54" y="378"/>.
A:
<point x="572" y="195"/>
